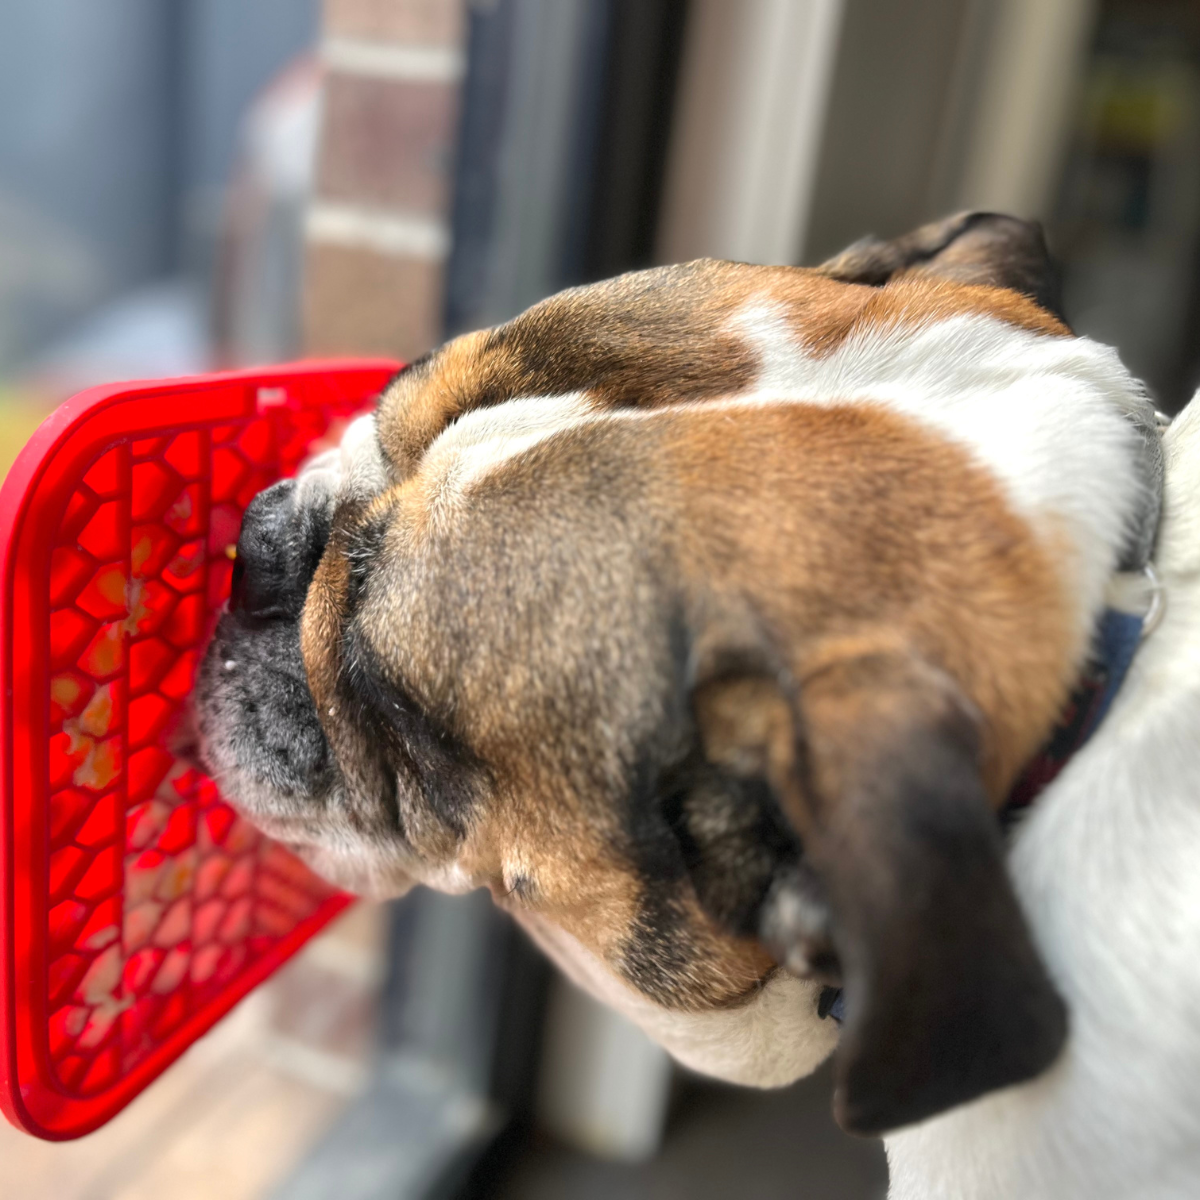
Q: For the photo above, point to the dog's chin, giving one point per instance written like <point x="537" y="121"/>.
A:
<point x="340" y="856"/>
<point x="769" y="1040"/>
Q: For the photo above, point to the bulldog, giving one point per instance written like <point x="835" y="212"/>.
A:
<point x="709" y="617"/>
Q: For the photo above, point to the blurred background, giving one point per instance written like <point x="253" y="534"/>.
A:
<point x="204" y="183"/>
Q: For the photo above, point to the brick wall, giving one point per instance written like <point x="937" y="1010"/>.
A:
<point x="377" y="232"/>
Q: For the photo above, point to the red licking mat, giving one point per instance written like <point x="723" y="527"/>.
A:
<point x="136" y="907"/>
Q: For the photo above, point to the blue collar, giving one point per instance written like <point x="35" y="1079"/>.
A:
<point x="1114" y="643"/>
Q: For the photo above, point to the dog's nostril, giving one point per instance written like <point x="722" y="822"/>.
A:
<point x="278" y="550"/>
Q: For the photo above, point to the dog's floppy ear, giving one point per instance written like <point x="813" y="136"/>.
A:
<point x="874" y="761"/>
<point x="973" y="247"/>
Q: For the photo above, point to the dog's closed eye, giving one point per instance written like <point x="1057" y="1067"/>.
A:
<point x="734" y="840"/>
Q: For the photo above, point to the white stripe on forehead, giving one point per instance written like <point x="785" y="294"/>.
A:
<point x="485" y="432"/>
<point x="482" y="439"/>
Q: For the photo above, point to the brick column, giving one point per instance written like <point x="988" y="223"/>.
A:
<point x="377" y="230"/>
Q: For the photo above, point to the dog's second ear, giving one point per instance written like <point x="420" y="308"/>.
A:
<point x="874" y="761"/>
<point x="973" y="247"/>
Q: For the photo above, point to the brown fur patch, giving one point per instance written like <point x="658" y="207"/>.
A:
<point x="874" y="533"/>
<point x="322" y="622"/>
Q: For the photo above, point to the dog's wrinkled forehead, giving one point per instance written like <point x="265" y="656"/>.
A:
<point x="642" y="341"/>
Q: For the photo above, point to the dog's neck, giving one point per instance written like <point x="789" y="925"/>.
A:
<point x="1119" y="632"/>
<point x="1105" y="867"/>
<point x="1134" y="606"/>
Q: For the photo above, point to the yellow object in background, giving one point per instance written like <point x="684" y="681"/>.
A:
<point x="21" y="412"/>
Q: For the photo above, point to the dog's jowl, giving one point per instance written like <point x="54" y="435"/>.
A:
<point x="707" y="616"/>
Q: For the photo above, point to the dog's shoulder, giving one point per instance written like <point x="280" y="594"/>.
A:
<point x="1106" y="867"/>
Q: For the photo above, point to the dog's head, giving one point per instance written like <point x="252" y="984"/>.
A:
<point x="718" y="701"/>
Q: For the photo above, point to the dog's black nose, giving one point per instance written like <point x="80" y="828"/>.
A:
<point x="278" y="550"/>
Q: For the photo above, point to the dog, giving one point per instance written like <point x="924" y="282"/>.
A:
<point x="709" y="617"/>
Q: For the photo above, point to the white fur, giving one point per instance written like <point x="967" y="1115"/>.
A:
<point x="1108" y="869"/>
<point x="760" y="1043"/>
<point x="484" y="439"/>
<point x="1046" y="415"/>
<point x="355" y="468"/>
